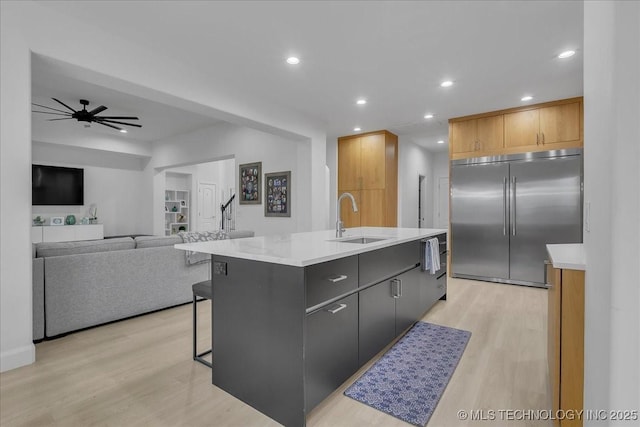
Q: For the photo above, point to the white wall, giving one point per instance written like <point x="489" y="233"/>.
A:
<point x="413" y="161"/>
<point x="246" y="146"/>
<point x="611" y="182"/>
<point x="122" y="196"/>
<point x="34" y="27"/>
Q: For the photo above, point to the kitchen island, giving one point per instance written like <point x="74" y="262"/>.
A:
<point x="295" y="315"/>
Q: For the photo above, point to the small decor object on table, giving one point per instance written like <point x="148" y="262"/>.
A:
<point x="277" y="195"/>
<point x="249" y="179"/>
<point x="93" y="214"/>
<point x="38" y="220"/>
<point x="70" y="220"/>
<point x="57" y="220"/>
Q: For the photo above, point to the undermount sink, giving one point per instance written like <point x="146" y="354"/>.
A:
<point x="361" y="240"/>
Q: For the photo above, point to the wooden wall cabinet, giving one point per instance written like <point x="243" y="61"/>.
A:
<point x="544" y="128"/>
<point x="368" y="169"/>
<point x="566" y="341"/>
<point x="477" y="136"/>
<point x="540" y="127"/>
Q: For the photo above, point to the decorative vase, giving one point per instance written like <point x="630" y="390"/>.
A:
<point x="70" y="220"/>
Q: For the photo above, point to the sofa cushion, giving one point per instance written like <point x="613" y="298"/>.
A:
<point x="155" y="241"/>
<point x="49" y="249"/>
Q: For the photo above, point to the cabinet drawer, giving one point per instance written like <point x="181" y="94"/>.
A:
<point x="331" y="279"/>
<point x="331" y="349"/>
<point x="384" y="263"/>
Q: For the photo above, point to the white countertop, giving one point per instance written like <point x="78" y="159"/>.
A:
<point x="570" y="256"/>
<point x="302" y="249"/>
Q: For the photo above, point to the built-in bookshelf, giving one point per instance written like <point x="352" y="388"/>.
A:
<point x="176" y="211"/>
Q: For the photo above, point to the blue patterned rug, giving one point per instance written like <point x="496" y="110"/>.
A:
<point x="409" y="379"/>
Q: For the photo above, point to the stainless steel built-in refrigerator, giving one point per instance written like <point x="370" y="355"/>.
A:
<point x="505" y="209"/>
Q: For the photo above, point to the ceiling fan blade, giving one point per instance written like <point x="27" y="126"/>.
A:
<point x="48" y="112"/>
<point x="50" y="108"/>
<point x="97" y="110"/>
<point x="60" y="102"/>
<point x="66" y="118"/>
<point x="101" y="120"/>
<point x="118" y="117"/>
<point x="104" y="124"/>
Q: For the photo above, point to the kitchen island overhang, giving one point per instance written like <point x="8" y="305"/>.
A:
<point x="295" y="315"/>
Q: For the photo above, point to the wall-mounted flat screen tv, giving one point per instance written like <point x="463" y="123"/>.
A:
<point x="56" y="186"/>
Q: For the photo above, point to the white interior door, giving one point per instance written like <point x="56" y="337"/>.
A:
<point x="207" y="207"/>
<point x="443" y="202"/>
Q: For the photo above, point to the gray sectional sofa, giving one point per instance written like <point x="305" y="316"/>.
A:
<point x="77" y="285"/>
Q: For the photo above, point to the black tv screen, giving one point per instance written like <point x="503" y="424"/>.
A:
<point x="53" y="185"/>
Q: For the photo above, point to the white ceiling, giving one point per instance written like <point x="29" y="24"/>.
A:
<point x="394" y="54"/>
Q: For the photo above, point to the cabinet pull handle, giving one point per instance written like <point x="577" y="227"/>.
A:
<point x="340" y="307"/>
<point x="337" y="278"/>
<point x="397" y="290"/>
<point x="504" y="206"/>
<point x="537" y="139"/>
<point x="513" y="205"/>
<point x="542" y="138"/>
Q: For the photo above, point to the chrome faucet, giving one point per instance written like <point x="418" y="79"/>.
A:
<point x="339" y="225"/>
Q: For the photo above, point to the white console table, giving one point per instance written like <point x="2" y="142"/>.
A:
<point x="66" y="233"/>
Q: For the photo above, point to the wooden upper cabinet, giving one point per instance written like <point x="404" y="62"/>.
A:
<point x="560" y="123"/>
<point x="490" y="133"/>
<point x="552" y="125"/>
<point x="477" y="136"/>
<point x="463" y="136"/>
<point x="372" y="160"/>
<point x="521" y="128"/>
<point x="349" y="177"/>
<point x="368" y="169"/>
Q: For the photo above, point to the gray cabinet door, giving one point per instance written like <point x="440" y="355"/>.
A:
<point x="331" y="349"/>
<point x="408" y="307"/>
<point x="479" y="220"/>
<point x="377" y="320"/>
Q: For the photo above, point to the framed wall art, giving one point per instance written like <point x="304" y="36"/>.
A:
<point x="250" y="183"/>
<point x="277" y="197"/>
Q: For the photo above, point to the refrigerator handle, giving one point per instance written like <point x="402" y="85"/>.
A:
<point x="504" y="206"/>
<point x="513" y="205"/>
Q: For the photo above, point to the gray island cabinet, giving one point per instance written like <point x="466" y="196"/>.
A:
<point x="296" y="315"/>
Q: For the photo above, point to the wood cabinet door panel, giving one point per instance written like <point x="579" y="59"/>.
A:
<point x="553" y="325"/>
<point x="372" y="208"/>
<point x="521" y="128"/>
<point x="463" y="136"/>
<point x="560" y="123"/>
<point x="372" y="161"/>
<point x="572" y="343"/>
<point x="349" y="176"/>
<point x="490" y="133"/>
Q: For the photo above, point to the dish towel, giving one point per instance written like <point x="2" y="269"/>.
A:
<point x="200" y="236"/>
<point x="432" y="255"/>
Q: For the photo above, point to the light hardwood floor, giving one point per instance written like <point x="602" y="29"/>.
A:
<point x="139" y="372"/>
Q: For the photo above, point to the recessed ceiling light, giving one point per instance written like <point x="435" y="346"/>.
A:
<point x="357" y="129"/>
<point x="441" y="142"/>
<point x="526" y="98"/>
<point x="292" y="60"/>
<point x="361" y="101"/>
<point x="123" y="130"/>
<point x="428" y="116"/>
<point x="567" y="54"/>
<point x="446" y="83"/>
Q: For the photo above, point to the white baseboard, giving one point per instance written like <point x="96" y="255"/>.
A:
<point x="17" y="357"/>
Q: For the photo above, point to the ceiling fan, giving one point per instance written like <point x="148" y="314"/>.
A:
<point x="87" y="116"/>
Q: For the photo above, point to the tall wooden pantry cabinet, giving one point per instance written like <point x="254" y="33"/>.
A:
<point x="368" y="169"/>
